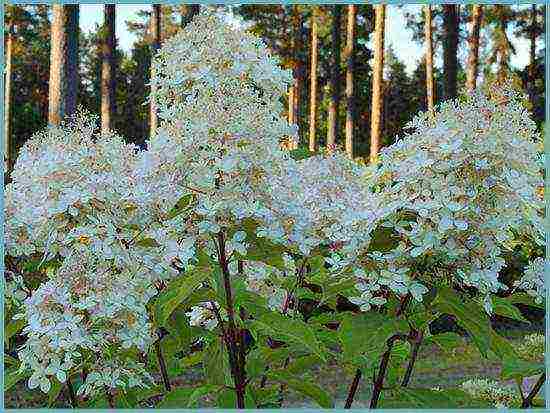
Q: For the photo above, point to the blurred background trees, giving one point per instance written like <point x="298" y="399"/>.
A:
<point x="332" y="97"/>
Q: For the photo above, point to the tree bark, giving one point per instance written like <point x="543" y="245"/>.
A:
<point x="108" y="69"/>
<point x="473" y="56"/>
<point x="350" y="97"/>
<point x="532" y="54"/>
<point x="188" y="12"/>
<point x="7" y="100"/>
<point x="297" y="67"/>
<point x="63" y="84"/>
<point x="332" y="129"/>
<point x="155" y="46"/>
<point x="430" y="97"/>
<point x="450" y="48"/>
<point x="377" y="71"/>
<point x="313" y="83"/>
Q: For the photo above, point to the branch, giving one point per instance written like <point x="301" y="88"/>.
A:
<point x="416" y="338"/>
<point x="162" y="364"/>
<point x="353" y="389"/>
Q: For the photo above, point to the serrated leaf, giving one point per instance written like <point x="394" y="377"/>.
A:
<point x="177" y="292"/>
<point x="227" y="399"/>
<point x="524" y="298"/>
<point x="13" y="376"/>
<point x="12" y="328"/>
<point x="470" y="315"/>
<point x="513" y="368"/>
<point x="505" y="308"/>
<point x="177" y="398"/>
<point x="200" y="392"/>
<point x="290" y="330"/>
<point x="446" y="341"/>
<point x="180" y="206"/>
<point x="311" y="390"/>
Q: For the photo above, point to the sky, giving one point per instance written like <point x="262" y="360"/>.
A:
<point x="397" y="36"/>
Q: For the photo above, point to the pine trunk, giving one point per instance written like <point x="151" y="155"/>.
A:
<point x="350" y="98"/>
<point x="297" y="66"/>
<point x="473" y="56"/>
<point x="188" y="12"/>
<point x="313" y="84"/>
<point x="332" y="129"/>
<point x="63" y="83"/>
<point x="108" y="69"/>
<point x="155" y="46"/>
<point x="378" y="68"/>
<point x="450" y="49"/>
<point x="7" y="100"/>
<point x="430" y="96"/>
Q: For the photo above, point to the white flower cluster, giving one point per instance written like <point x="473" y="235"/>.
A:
<point x="532" y="281"/>
<point x="501" y="396"/>
<point x="462" y="184"/>
<point x="532" y="348"/>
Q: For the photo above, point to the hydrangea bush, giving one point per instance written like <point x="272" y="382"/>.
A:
<point x="215" y="247"/>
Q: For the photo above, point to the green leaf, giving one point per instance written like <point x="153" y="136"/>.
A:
<point x="200" y="392"/>
<point x="147" y="243"/>
<point x="216" y="365"/>
<point x="13" y="376"/>
<point x="177" y="398"/>
<point x="180" y="206"/>
<point x="364" y="336"/>
<point x="446" y="341"/>
<point x="470" y="315"/>
<point x="177" y="292"/>
<point x="513" y="368"/>
<point x="305" y="388"/>
<point x="227" y="399"/>
<point x="501" y="347"/>
<point x="504" y="308"/>
<point x="524" y="298"/>
<point x="53" y="394"/>
<point x="10" y="361"/>
<point x="290" y="330"/>
<point x="12" y="328"/>
<point x="260" y="248"/>
<point x="418" y="398"/>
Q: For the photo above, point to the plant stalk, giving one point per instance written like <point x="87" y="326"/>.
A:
<point x="353" y="389"/>
<point x="72" y="395"/>
<point x="417" y="342"/>
<point x="162" y="365"/>
<point x="236" y="351"/>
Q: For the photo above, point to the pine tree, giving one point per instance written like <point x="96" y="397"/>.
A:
<point x="332" y="129"/>
<point x="473" y="40"/>
<point x="377" y="80"/>
<point x="450" y="49"/>
<point x="350" y="98"/>
<point x="155" y="46"/>
<point x="313" y="82"/>
<point x="108" y="82"/>
<point x="430" y="98"/>
<point x="63" y="85"/>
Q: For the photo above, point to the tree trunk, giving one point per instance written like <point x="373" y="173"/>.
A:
<point x="430" y="97"/>
<point x="502" y="43"/>
<point x="313" y="83"/>
<point x="188" y="12"/>
<point x="297" y="67"/>
<point x="7" y="100"/>
<point x="532" y="54"/>
<point x="378" y="68"/>
<point x="473" y="56"/>
<point x="332" y="129"/>
<point x="63" y="84"/>
<point x="155" y="46"/>
<point x="108" y="69"/>
<point x="350" y="98"/>
<point x="450" y="48"/>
